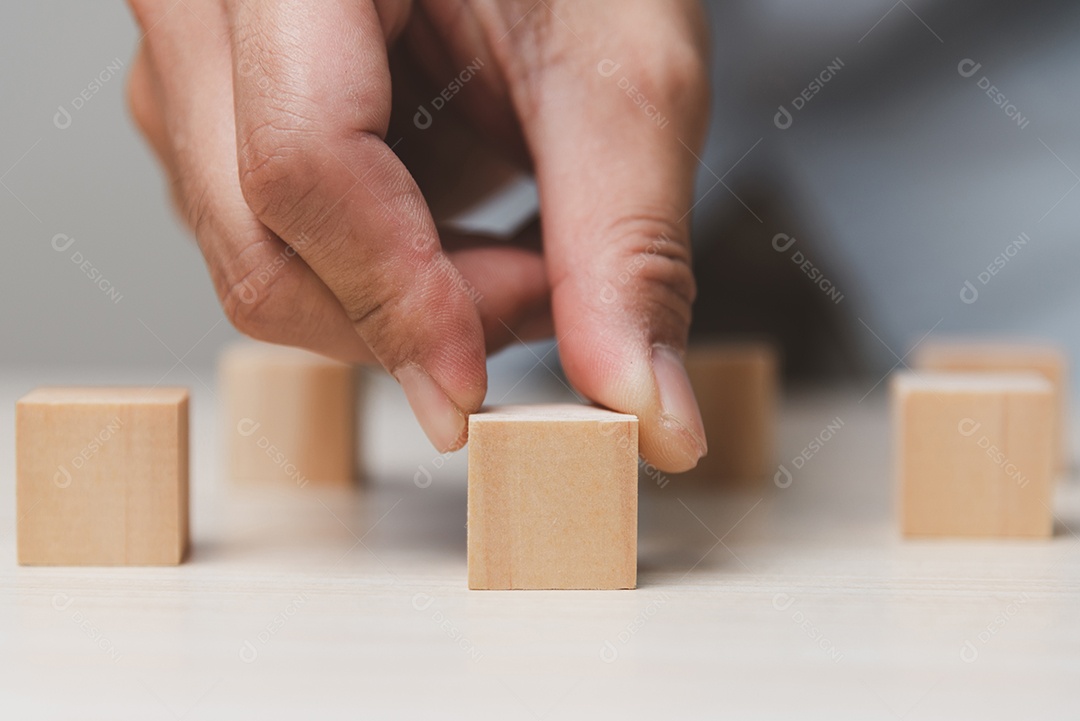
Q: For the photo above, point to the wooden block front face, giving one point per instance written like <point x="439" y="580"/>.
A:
<point x="552" y="498"/>
<point x="290" y="416"/>
<point x="736" y="385"/>
<point x="974" y="454"/>
<point x="972" y="356"/>
<point x="102" y="476"/>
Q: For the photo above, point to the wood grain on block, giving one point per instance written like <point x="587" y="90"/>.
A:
<point x="102" y="476"/>
<point x="736" y="385"/>
<point x="974" y="453"/>
<point x="290" y="416"/>
<point x="1001" y="356"/>
<point x="552" y="498"/>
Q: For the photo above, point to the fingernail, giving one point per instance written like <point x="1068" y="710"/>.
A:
<point x="677" y="402"/>
<point x="441" y="420"/>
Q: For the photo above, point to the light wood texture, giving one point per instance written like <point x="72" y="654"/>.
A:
<point x="813" y="606"/>
<point x="736" y="384"/>
<point x="998" y="356"/>
<point x="102" y="476"/>
<point x="290" y="416"/>
<point x="975" y="454"/>
<point x="552" y="498"/>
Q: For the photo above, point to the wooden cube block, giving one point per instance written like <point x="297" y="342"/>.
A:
<point x="990" y="356"/>
<point x="974" y="453"/>
<point x="290" y="416"/>
<point x="736" y="385"/>
<point x="102" y="476"/>
<point x="552" y="498"/>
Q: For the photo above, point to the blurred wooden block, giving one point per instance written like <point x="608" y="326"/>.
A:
<point x="552" y="498"/>
<point x="290" y="415"/>
<point x="736" y="385"/>
<point x="974" y="453"/>
<point x="102" y="476"/>
<point x="986" y="356"/>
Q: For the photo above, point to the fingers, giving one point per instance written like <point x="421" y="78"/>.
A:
<point x="180" y="92"/>
<point x="616" y="186"/>
<point x="315" y="170"/>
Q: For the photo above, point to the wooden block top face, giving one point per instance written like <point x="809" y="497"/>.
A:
<point x="987" y="354"/>
<point x="734" y="352"/>
<point x="974" y="454"/>
<point x="550" y="412"/>
<point x="970" y="383"/>
<point x="975" y="355"/>
<point x="249" y="354"/>
<point x="552" y="498"/>
<point x="102" y="476"/>
<point x="104" y="395"/>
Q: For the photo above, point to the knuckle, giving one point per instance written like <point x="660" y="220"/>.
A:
<point x="369" y="309"/>
<point x="678" y="74"/>
<point x="254" y="297"/>
<point x="653" y="262"/>
<point x="278" y="167"/>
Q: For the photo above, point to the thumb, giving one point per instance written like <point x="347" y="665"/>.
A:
<point x="616" y="186"/>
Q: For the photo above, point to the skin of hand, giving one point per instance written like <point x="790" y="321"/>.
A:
<point x="272" y="119"/>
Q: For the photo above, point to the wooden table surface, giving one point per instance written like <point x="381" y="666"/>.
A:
<point x="777" y="602"/>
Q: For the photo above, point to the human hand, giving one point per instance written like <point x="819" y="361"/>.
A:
<point x="271" y="118"/>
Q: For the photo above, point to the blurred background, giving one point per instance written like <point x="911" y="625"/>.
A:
<point x="874" y="171"/>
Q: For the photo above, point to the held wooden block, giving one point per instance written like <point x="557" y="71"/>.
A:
<point x="290" y="416"/>
<point x="552" y="498"/>
<point x="102" y="476"/>
<point x="974" y="454"/>
<point x="988" y="356"/>
<point x="736" y="385"/>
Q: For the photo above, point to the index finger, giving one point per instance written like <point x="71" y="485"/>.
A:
<point x="312" y="94"/>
